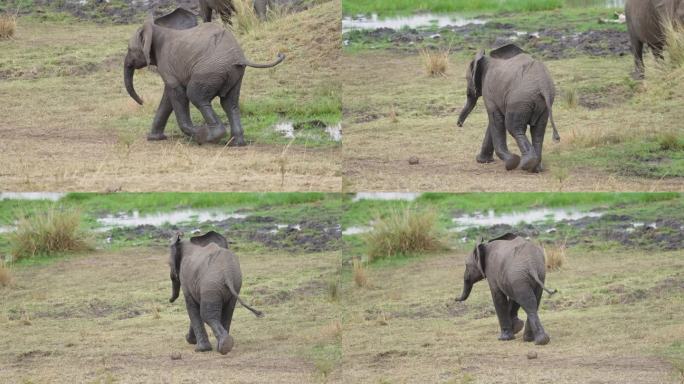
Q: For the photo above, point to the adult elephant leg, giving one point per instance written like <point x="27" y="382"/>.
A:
<point x="516" y="125"/>
<point x="638" y="52"/>
<point x="537" y="131"/>
<point x="205" y="11"/>
<point x="161" y="117"/>
<point x="231" y="105"/>
<point x="212" y="314"/>
<point x="502" y="308"/>
<point x="497" y="130"/>
<point x="197" y="325"/>
<point x="181" y="107"/>
<point x="201" y="96"/>
<point x="487" y="152"/>
<point x="515" y="320"/>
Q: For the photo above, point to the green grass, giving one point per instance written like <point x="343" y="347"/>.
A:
<point x="48" y="233"/>
<point x="411" y="6"/>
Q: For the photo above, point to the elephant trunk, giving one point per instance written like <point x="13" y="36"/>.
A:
<point x="128" y="82"/>
<point x="175" y="282"/>
<point x="467" y="287"/>
<point x="470" y="105"/>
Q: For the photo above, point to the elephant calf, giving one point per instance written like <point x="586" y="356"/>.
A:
<point x="211" y="280"/>
<point x="518" y="91"/>
<point x="197" y="64"/>
<point x="515" y="269"/>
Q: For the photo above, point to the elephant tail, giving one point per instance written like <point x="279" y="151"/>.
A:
<point x="278" y="60"/>
<point x="548" y="99"/>
<point x="536" y="278"/>
<point x="229" y="284"/>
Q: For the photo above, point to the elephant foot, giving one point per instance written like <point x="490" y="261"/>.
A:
<point x="237" y="142"/>
<point x="506" y="336"/>
<point x="484" y="159"/>
<point x="517" y="325"/>
<point x="512" y="162"/>
<point x="542" y="339"/>
<point x="203" y="347"/>
<point x="538" y="169"/>
<point x="528" y="335"/>
<point x="226" y="345"/>
<point x="190" y="338"/>
<point x="529" y="163"/>
<point x="155" y="136"/>
<point x="215" y="134"/>
<point x="201" y="135"/>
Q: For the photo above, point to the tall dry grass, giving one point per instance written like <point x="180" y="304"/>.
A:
<point x="555" y="255"/>
<point x="48" y="233"/>
<point x="436" y="63"/>
<point x="245" y="18"/>
<point x="359" y="272"/>
<point x="403" y="231"/>
<point x="5" y="275"/>
<point x="8" y="26"/>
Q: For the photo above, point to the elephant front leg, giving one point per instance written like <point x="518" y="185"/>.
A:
<point x="201" y="337"/>
<point x="501" y="305"/>
<point x="161" y="117"/>
<point x="231" y="105"/>
<point x="181" y="107"/>
<point x="497" y="129"/>
<point x="487" y="152"/>
<point x="516" y="125"/>
<point x="212" y="315"/>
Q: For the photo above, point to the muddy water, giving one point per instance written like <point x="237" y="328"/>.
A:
<point x="52" y="196"/>
<point x="595" y="3"/>
<point x="387" y="196"/>
<point x="491" y="218"/>
<point x="422" y="20"/>
<point x="156" y="219"/>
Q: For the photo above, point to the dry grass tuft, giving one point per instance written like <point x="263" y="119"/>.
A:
<point x="670" y="141"/>
<point x="334" y="289"/>
<point x="555" y="256"/>
<point x="245" y="18"/>
<point x="48" y="233"/>
<point x="435" y="62"/>
<point x="570" y="98"/>
<point x="403" y="231"/>
<point x="8" y="26"/>
<point x="359" y="270"/>
<point x="393" y="116"/>
<point x="5" y="275"/>
<point x="674" y="44"/>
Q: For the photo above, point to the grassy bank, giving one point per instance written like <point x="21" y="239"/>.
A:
<point x="389" y="7"/>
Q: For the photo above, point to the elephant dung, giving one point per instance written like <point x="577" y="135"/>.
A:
<point x="176" y="356"/>
<point x="531" y="355"/>
<point x="413" y="160"/>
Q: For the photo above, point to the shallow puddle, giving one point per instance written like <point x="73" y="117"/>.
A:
<point x="287" y="130"/>
<point x="52" y="196"/>
<point x="375" y="21"/>
<point x="356" y="230"/>
<point x="513" y="218"/>
<point x="405" y="196"/>
<point x="157" y="219"/>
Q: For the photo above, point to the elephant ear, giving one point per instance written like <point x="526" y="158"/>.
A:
<point x="506" y="52"/>
<point x="480" y="257"/>
<point x="208" y="238"/>
<point x="506" y="236"/>
<point x="476" y="69"/>
<point x="145" y="37"/>
<point x="179" y="19"/>
<point x="176" y="254"/>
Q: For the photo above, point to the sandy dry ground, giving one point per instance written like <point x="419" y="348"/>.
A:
<point x="105" y="318"/>
<point x="377" y="149"/>
<point x="68" y="125"/>
<point x="614" y="320"/>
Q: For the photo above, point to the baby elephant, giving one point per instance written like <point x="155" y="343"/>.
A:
<point x="197" y="64"/>
<point x="518" y="91"/>
<point x="211" y="279"/>
<point x="515" y="270"/>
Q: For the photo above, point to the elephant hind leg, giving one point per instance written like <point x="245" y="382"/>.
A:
<point x="537" y="131"/>
<point x="231" y="105"/>
<point x="638" y="53"/>
<point x="201" y="95"/>
<point x="516" y="125"/>
<point x="517" y="323"/>
<point x="212" y="315"/>
<point x="194" y="312"/>
<point x="497" y="129"/>
<point x="533" y="328"/>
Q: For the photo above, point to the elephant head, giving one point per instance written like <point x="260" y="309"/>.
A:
<point x="475" y="267"/>
<point x="140" y="47"/>
<point x="176" y="255"/>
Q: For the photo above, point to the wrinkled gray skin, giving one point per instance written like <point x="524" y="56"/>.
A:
<point x="515" y="271"/>
<point x="518" y="91"/>
<point x="224" y="8"/>
<point x="210" y="277"/>
<point x="197" y="64"/>
<point x="645" y="21"/>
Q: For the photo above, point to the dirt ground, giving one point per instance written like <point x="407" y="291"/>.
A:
<point x="105" y="318"/>
<point x="68" y="124"/>
<point x="615" y="320"/>
<point x="393" y="111"/>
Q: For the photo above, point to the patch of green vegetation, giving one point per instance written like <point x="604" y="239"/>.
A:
<point x="353" y="7"/>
